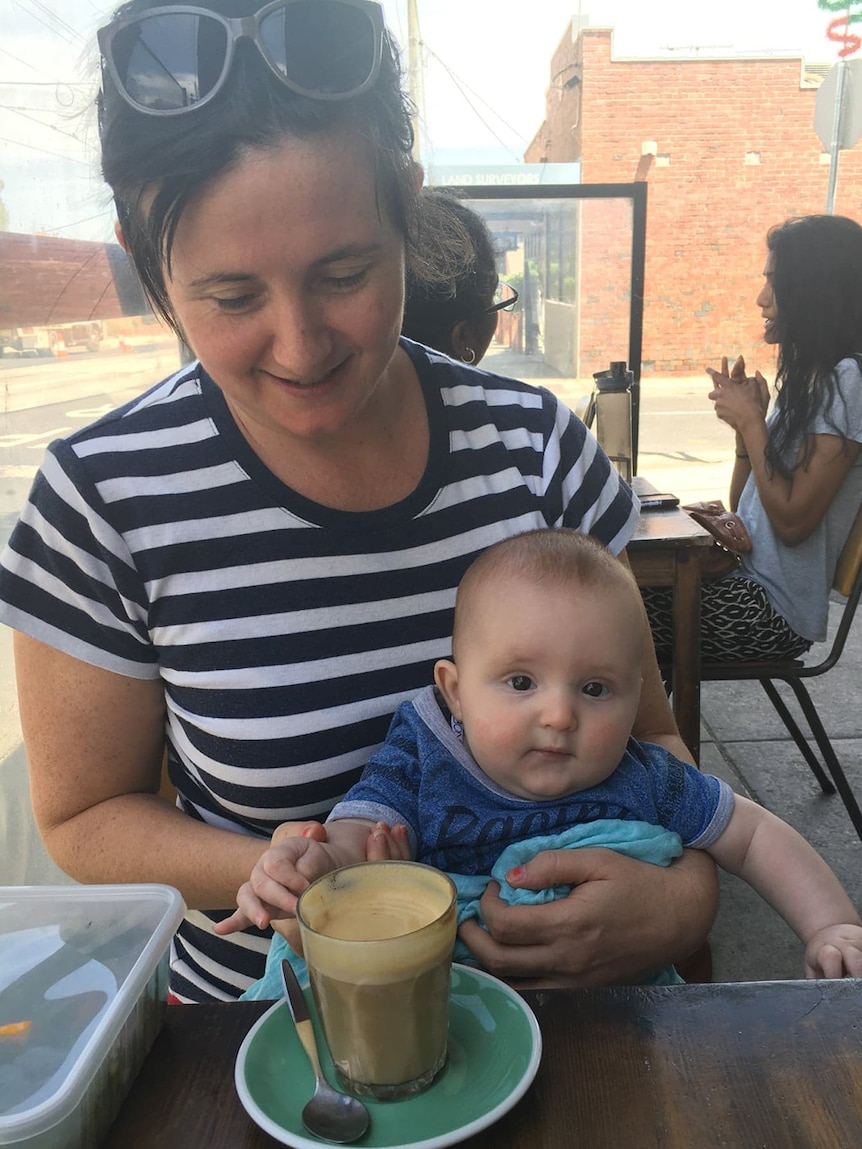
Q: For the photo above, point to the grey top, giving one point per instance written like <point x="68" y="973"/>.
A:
<point x="797" y="580"/>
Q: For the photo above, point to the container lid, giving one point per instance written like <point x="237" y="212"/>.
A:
<point x="73" y="962"/>
<point x="618" y="378"/>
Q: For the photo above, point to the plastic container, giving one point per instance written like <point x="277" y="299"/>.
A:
<point x="83" y="992"/>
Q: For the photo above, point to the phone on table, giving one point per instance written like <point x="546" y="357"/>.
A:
<point x="659" y="502"/>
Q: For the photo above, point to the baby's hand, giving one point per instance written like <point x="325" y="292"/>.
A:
<point x="835" y="951"/>
<point x="277" y="880"/>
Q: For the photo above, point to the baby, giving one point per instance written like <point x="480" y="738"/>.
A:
<point x="525" y="744"/>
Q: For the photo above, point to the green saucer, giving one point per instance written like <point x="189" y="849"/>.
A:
<point x="494" y="1050"/>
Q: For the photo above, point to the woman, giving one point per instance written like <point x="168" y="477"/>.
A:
<point x="453" y="292"/>
<point x="797" y="476"/>
<point x="255" y="562"/>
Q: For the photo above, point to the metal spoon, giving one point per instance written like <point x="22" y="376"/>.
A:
<point x="330" y="1115"/>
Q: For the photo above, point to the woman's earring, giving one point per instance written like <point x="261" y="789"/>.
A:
<point x="468" y="355"/>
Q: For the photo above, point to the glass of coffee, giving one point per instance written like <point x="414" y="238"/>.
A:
<point x="378" y="940"/>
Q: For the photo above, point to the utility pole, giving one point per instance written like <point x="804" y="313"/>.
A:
<point x="416" y="82"/>
<point x="835" y="136"/>
<point x="838" y="116"/>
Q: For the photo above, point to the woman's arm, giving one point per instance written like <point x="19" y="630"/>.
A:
<point x="654" y="721"/>
<point x="795" y="505"/>
<point x="94" y="744"/>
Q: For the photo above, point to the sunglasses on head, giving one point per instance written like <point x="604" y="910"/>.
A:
<point x="173" y="59"/>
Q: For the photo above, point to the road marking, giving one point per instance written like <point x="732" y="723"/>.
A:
<point x="42" y="438"/>
<point x="11" y="471"/>
<point x="90" y="412"/>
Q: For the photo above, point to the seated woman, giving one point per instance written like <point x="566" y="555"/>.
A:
<point x="255" y="562"/>
<point x="797" y="479"/>
<point x="452" y="290"/>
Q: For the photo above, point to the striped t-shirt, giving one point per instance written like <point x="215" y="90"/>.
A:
<point x="156" y="544"/>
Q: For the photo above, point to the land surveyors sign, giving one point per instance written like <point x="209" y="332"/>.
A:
<point x="838" y="107"/>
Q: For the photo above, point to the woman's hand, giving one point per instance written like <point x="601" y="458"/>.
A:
<point x="740" y="400"/>
<point x="622" y="921"/>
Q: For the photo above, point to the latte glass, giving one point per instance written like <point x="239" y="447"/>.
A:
<point x="378" y="940"/>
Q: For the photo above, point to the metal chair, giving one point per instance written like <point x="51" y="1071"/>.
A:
<point x="848" y="582"/>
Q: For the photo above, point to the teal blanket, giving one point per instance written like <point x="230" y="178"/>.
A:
<point x="639" y="840"/>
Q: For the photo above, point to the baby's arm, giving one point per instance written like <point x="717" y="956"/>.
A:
<point x="789" y="874"/>
<point x="288" y="867"/>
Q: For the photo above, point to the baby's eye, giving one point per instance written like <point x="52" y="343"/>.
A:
<point x="520" y="682"/>
<point x="595" y="690"/>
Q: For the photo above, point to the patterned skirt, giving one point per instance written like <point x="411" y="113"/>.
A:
<point x="737" y="623"/>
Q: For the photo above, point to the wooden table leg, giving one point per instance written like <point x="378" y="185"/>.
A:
<point x="686" y="652"/>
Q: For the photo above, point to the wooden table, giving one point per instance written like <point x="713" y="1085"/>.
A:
<point x="772" y="1065"/>
<point x="664" y="552"/>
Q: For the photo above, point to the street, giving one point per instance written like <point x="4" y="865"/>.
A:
<point x="43" y="399"/>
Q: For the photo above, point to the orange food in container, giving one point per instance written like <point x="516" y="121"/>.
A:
<point x="83" y="992"/>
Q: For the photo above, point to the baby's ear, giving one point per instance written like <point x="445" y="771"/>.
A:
<point x="446" y="677"/>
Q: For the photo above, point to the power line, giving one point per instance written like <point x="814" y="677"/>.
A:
<point x="41" y="123"/>
<point x="59" y="24"/>
<point x="461" y="86"/>
<point x="42" y="83"/>
<point x="44" y="151"/>
<point x="53" y="31"/>
<point x="77" y="223"/>
<point x="26" y="64"/>
<point x="59" y="20"/>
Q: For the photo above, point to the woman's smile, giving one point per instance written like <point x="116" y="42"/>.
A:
<point x="328" y="378"/>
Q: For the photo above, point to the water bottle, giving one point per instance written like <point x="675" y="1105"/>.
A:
<point x="614" y="416"/>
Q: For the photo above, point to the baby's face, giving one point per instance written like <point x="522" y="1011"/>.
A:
<point x="548" y="684"/>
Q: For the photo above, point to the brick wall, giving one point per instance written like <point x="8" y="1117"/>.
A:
<point x="708" y="209"/>
<point x="45" y="279"/>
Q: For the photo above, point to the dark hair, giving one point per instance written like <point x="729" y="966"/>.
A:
<point x="817" y="281"/>
<point x="554" y="556"/>
<point x="175" y="158"/>
<point x="452" y="269"/>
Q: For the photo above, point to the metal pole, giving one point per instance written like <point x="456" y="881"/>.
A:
<point x="835" y="141"/>
<point x="414" y="71"/>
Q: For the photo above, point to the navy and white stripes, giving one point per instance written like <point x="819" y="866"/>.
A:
<point x="156" y="544"/>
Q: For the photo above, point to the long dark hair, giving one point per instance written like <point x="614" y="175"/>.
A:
<point x="817" y="280"/>
<point x="156" y="166"/>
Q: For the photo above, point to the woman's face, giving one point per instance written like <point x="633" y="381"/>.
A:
<point x="287" y="277"/>
<point x="766" y="302"/>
